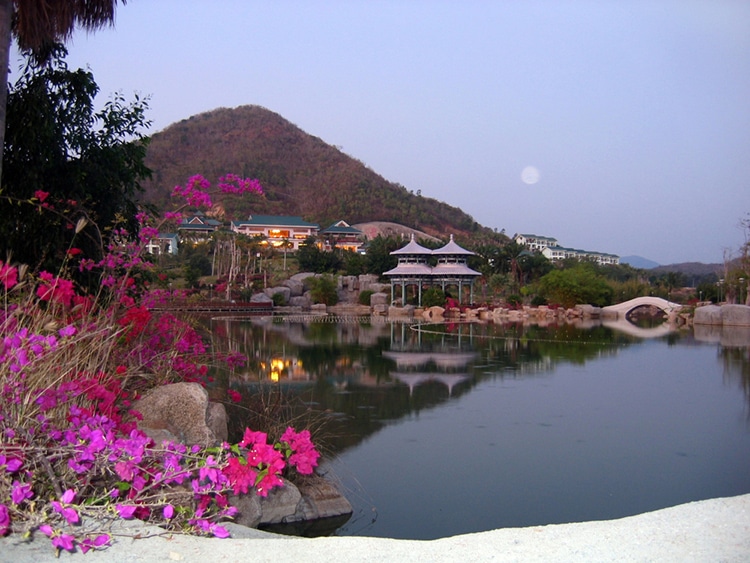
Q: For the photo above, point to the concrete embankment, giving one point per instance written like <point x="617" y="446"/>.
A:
<point x="710" y="530"/>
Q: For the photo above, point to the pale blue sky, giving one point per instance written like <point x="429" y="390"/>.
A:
<point x="635" y="113"/>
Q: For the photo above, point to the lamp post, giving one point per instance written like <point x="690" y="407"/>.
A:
<point x="742" y="286"/>
<point x="720" y="283"/>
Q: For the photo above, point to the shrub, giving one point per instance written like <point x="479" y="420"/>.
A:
<point x="278" y="299"/>
<point x="323" y="290"/>
<point x="364" y="297"/>
<point x="433" y="297"/>
<point x="514" y="300"/>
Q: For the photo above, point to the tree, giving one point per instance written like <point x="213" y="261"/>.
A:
<point x="323" y="289"/>
<point x="64" y="162"/>
<point x="576" y="285"/>
<point x="379" y="258"/>
<point x="312" y="259"/>
<point x="39" y="25"/>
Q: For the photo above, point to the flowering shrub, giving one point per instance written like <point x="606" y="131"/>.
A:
<point x="71" y="364"/>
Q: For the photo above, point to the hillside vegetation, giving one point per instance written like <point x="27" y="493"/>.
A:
<point x="301" y="174"/>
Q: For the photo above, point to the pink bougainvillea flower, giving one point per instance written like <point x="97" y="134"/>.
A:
<point x="4" y="520"/>
<point x="20" y="492"/>
<point x="241" y="476"/>
<point x="168" y="512"/>
<point x="64" y="541"/>
<point x="250" y="438"/>
<point x="10" y="465"/>
<point x="98" y="541"/>
<point x="55" y="289"/>
<point x="235" y="396"/>
<point x="41" y="195"/>
<point x="125" y="511"/>
<point x="70" y="514"/>
<point x="8" y="275"/>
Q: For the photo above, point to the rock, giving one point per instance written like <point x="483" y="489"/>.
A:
<point x="318" y="308"/>
<point x="181" y="409"/>
<point x="709" y="315"/>
<point x="283" y="290"/>
<point x="296" y="287"/>
<point x="378" y="299"/>
<point x="280" y="505"/>
<point x="368" y="282"/>
<point x="248" y="509"/>
<point x="320" y="499"/>
<point x="300" y="301"/>
<point x="261" y="298"/>
<point x="302" y="277"/>
<point x="589" y="311"/>
<point x="734" y="315"/>
<point x="433" y="313"/>
<point x="216" y="420"/>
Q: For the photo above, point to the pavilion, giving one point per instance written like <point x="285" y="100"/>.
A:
<point x="413" y="268"/>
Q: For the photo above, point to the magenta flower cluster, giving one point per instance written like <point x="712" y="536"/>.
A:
<point x="196" y="192"/>
<point x="69" y="444"/>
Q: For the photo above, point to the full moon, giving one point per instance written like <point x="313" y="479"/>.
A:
<point x="530" y="175"/>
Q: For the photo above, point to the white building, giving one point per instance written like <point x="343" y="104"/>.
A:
<point x="554" y="252"/>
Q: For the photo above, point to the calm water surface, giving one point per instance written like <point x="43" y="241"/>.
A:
<point x="449" y="429"/>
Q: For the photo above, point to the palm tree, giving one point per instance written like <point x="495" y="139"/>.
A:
<point x="37" y="25"/>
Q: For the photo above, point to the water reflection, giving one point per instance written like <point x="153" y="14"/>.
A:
<point x="368" y="370"/>
<point x="572" y="421"/>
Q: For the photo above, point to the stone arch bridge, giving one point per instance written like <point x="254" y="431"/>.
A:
<point x="622" y="309"/>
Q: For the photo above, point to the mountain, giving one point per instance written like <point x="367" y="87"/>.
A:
<point x="300" y="174"/>
<point x="698" y="269"/>
<point x="638" y="262"/>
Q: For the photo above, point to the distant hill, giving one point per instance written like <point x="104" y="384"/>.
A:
<point x="638" y="262"/>
<point x="697" y="269"/>
<point x="301" y="175"/>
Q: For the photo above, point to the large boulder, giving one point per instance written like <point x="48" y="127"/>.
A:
<point x="303" y="277"/>
<point x="181" y="412"/>
<point x="369" y="282"/>
<point x="249" y="511"/>
<point x="285" y="292"/>
<point x="433" y="313"/>
<point x="261" y="298"/>
<point x="708" y="315"/>
<point x="588" y="311"/>
<point x="734" y="315"/>
<point x="378" y="299"/>
<point x="296" y="287"/>
<point x="302" y="301"/>
<point x="320" y="499"/>
<point x="280" y="505"/>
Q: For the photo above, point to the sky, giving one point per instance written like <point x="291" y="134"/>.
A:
<point x="617" y="126"/>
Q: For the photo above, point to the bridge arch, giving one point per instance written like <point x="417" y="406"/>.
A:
<point x="622" y="309"/>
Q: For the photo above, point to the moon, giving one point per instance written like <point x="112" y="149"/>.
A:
<point x="530" y="175"/>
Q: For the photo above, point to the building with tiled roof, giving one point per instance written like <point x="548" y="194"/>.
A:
<point x="276" y="229"/>
<point x="198" y="226"/>
<point x="342" y="235"/>
<point x="164" y="243"/>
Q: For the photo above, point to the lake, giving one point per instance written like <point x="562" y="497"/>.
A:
<point x="435" y="430"/>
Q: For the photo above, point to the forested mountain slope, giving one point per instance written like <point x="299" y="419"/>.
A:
<point x="301" y="174"/>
